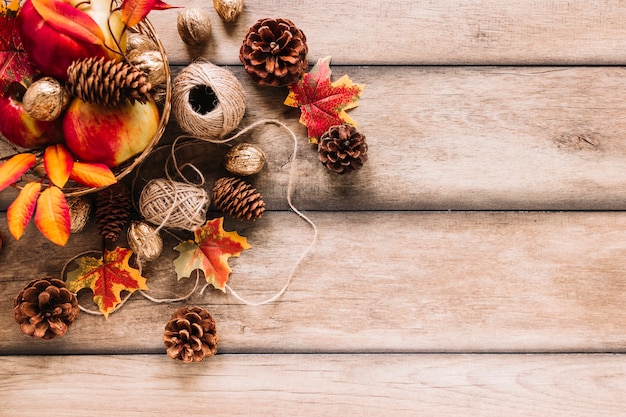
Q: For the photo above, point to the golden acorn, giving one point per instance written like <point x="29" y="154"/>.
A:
<point x="45" y="99"/>
<point x="228" y="10"/>
<point x="244" y="159"/>
<point x="194" y="26"/>
<point x="145" y="240"/>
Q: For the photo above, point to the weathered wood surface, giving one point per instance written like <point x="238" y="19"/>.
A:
<point x="483" y="32"/>
<point x="377" y="282"/>
<point x="314" y="385"/>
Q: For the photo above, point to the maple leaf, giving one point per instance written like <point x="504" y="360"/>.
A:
<point x="107" y="277"/>
<point x="209" y="252"/>
<point x="14" y="63"/>
<point x="323" y="104"/>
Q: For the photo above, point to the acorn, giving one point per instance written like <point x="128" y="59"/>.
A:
<point x="244" y="159"/>
<point x="45" y="99"/>
<point x="194" y="26"/>
<point x="228" y="10"/>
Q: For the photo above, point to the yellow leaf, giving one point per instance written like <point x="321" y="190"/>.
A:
<point x="21" y="210"/>
<point x="58" y="163"/>
<point x="52" y="216"/>
<point x="12" y="170"/>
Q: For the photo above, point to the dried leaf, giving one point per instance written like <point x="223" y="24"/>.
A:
<point x="209" y="252"/>
<point x="58" y="163"/>
<point x="14" y="63"/>
<point x="107" y="277"/>
<point x="323" y="104"/>
<point x="133" y="11"/>
<point x="52" y="216"/>
<point x="21" y="210"/>
<point x="92" y="174"/>
<point x="12" y="170"/>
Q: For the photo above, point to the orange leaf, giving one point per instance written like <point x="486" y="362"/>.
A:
<point x="209" y="252"/>
<point x="21" y="210"/>
<point x="92" y="175"/>
<point x="13" y="169"/>
<point x="58" y="163"/>
<point x="107" y="277"/>
<point x="52" y="216"/>
<point x="133" y="11"/>
<point x="323" y="104"/>
<point x="69" y="21"/>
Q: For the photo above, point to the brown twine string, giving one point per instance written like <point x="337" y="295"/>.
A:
<point x="230" y="105"/>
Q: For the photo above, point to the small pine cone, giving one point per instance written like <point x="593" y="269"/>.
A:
<point x="107" y="82"/>
<point x="112" y="210"/>
<point x="274" y="52"/>
<point x="190" y="335"/>
<point x="237" y="198"/>
<point x="342" y="149"/>
<point x="45" y="308"/>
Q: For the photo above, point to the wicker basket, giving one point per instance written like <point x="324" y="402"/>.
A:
<point x="73" y="189"/>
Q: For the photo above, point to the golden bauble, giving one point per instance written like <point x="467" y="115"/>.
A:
<point x="144" y="240"/>
<point x="194" y="26"/>
<point x="244" y="159"/>
<point x="45" y="99"/>
<point x="228" y="10"/>
<point x="79" y="213"/>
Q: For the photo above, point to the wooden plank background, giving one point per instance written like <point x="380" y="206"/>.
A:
<point x="473" y="267"/>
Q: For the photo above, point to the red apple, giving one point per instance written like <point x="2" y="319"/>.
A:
<point x="55" y="33"/>
<point x="109" y="135"/>
<point x="19" y="128"/>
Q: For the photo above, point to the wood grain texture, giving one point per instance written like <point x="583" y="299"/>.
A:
<point x="448" y="138"/>
<point x="314" y="385"/>
<point x="475" y="32"/>
<point x="375" y="282"/>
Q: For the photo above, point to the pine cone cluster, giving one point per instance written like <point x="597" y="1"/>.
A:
<point x="237" y="198"/>
<point x="342" y="149"/>
<point x="45" y="308"/>
<point x="107" y="82"/>
<point x="190" y="335"/>
<point x="112" y="210"/>
<point x="274" y="52"/>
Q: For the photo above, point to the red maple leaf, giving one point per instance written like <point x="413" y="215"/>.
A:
<point x="323" y="104"/>
<point x="209" y="252"/>
<point x="107" y="277"/>
<point x="14" y="63"/>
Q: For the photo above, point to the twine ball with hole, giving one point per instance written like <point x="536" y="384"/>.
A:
<point x="208" y="101"/>
<point x="173" y="204"/>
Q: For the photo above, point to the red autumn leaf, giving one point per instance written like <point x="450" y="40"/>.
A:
<point x="323" y="104"/>
<point x="14" y="63"/>
<point x="52" y="216"/>
<point x="22" y="208"/>
<point x="107" y="277"/>
<point x="92" y="174"/>
<point x="209" y="252"/>
<point x="133" y="11"/>
<point x="58" y="163"/>
<point x="12" y="170"/>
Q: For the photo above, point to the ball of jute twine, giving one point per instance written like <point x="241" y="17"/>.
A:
<point x="173" y="204"/>
<point x="230" y="104"/>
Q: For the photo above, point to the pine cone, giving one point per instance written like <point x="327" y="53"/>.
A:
<point x="237" y="198"/>
<point x="342" y="149"/>
<point x="112" y="210"/>
<point x="107" y="82"/>
<point x="274" y="52"/>
<point x="190" y="335"/>
<point x="45" y="308"/>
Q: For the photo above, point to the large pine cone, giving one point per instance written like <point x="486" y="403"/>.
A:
<point x="342" y="149"/>
<point x="274" y="52"/>
<point x="113" y="206"/>
<point x="45" y="308"/>
<point x="107" y="82"/>
<point x="237" y="198"/>
<point x="190" y="335"/>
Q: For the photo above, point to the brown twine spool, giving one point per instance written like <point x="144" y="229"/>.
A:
<point x="173" y="204"/>
<point x="207" y="101"/>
